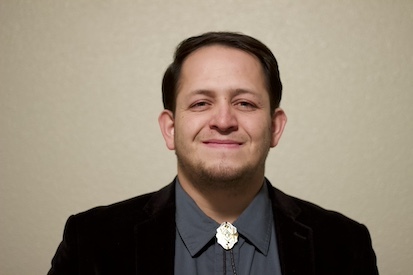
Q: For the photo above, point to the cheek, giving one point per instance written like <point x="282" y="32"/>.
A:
<point x="187" y="129"/>
<point x="258" y="130"/>
<point x="193" y="124"/>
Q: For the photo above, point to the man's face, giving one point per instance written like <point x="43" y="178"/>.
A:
<point x="222" y="128"/>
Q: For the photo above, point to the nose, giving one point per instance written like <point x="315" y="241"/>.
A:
<point x="224" y="119"/>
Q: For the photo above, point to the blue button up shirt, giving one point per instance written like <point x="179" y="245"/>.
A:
<point x="198" y="253"/>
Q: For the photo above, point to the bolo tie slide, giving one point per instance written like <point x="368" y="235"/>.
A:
<point x="227" y="237"/>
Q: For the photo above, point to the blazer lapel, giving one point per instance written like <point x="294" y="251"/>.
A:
<point x="294" y="239"/>
<point x="155" y="236"/>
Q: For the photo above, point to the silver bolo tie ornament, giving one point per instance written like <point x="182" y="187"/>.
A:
<point x="227" y="235"/>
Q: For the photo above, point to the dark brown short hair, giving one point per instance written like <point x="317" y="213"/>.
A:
<point x="230" y="39"/>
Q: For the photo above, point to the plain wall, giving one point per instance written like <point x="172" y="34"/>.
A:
<point x="80" y="93"/>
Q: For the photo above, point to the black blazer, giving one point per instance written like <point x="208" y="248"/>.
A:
<point x="137" y="236"/>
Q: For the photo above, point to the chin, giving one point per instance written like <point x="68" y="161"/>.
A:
<point x="217" y="173"/>
<point x="223" y="176"/>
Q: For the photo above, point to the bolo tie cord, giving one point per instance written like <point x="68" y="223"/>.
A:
<point x="227" y="237"/>
<point x="234" y="271"/>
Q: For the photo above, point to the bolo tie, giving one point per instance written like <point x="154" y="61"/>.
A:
<point x="227" y="237"/>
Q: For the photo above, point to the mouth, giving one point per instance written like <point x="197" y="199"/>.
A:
<point x="218" y="143"/>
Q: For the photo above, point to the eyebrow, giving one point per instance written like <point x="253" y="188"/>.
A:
<point x="234" y="92"/>
<point x="202" y="92"/>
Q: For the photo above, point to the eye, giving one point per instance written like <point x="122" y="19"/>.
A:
<point x="199" y="105"/>
<point x="246" y="105"/>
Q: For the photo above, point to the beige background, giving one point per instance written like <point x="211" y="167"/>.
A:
<point x="80" y="96"/>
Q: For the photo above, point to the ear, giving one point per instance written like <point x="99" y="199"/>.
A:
<point x="279" y="119"/>
<point x="167" y="124"/>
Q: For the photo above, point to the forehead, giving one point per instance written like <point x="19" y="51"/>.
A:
<point x="211" y="53"/>
<point x="215" y="64"/>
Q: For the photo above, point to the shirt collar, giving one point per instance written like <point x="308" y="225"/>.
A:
<point x="197" y="229"/>
<point x="256" y="222"/>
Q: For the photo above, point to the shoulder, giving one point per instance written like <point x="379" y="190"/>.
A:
<point x="305" y="211"/>
<point x="328" y="225"/>
<point x="337" y="239"/>
<point x="127" y="212"/>
<point x="108" y="232"/>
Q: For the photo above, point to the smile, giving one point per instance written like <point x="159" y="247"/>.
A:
<point x="216" y="143"/>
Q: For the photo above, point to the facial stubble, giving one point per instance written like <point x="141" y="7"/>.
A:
<point x="221" y="176"/>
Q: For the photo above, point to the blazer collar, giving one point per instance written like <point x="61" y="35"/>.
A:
<point x="155" y="234"/>
<point x="295" y="239"/>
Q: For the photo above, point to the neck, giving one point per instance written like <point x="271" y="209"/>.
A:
<point x="223" y="204"/>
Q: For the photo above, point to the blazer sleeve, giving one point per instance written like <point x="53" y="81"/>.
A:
<point x="65" y="261"/>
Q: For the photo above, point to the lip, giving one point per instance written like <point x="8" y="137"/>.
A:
<point x="220" y="143"/>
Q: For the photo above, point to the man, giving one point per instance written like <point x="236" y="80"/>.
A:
<point x="220" y="215"/>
